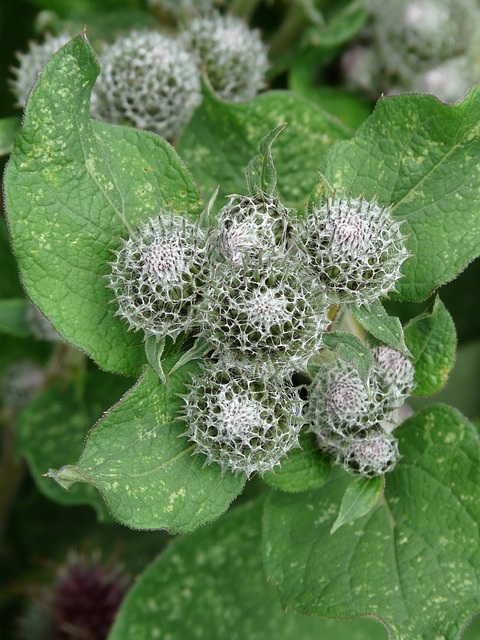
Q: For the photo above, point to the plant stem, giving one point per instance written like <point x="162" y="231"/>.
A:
<point x="244" y="8"/>
<point x="12" y="471"/>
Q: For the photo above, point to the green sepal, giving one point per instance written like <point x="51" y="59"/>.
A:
<point x="260" y="173"/>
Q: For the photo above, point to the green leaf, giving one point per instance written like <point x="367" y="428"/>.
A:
<point x="419" y="155"/>
<point x="304" y="469"/>
<point x="340" y="27"/>
<point x="8" y="131"/>
<point x="260" y="172"/>
<point x="385" y="328"/>
<point x="144" y="470"/>
<point x="413" y="562"/>
<point x="52" y="429"/>
<point x="222" y="138"/>
<point x="210" y="586"/>
<point x="351" y="349"/>
<point x="72" y="187"/>
<point x="360" y="497"/>
<point x="13" y="317"/>
<point x="432" y="341"/>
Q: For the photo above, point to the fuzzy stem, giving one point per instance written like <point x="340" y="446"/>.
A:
<point x="288" y="32"/>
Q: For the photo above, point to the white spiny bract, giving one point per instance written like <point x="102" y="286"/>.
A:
<point x="157" y="275"/>
<point x="232" y="55"/>
<point x="371" y="456"/>
<point x="148" y="81"/>
<point x="267" y="316"/>
<point x="355" y="246"/>
<point x="244" y="424"/>
<point x="250" y="228"/>
<point x="31" y="62"/>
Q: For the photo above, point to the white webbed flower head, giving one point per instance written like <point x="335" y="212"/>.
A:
<point x="268" y="316"/>
<point x="232" y="55"/>
<point x="341" y="403"/>
<point x="246" y="425"/>
<point x="355" y="246"/>
<point x="449" y="80"/>
<point x="413" y="35"/>
<point x="32" y="62"/>
<point x="181" y="8"/>
<point x="250" y="228"/>
<point x="395" y="376"/>
<point x="158" y="274"/>
<point x="148" y="81"/>
<point x="371" y="456"/>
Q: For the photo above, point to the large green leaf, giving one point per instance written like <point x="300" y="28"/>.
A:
<point x="359" y="498"/>
<point x="432" y="341"/>
<point x="8" y="131"/>
<point x="52" y="429"/>
<point x="144" y="470"/>
<point x="72" y="187"/>
<point x="211" y="586"/>
<point x="420" y="156"/>
<point x="222" y="138"/>
<point x="414" y="561"/>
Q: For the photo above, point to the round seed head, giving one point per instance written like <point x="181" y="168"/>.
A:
<point x="371" y="456"/>
<point x="31" y="63"/>
<point x="249" y="229"/>
<point x="233" y="56"/>
<point x="244" y="425"/>
<point x="158" y="274"/>
<point x="148" y="81"/>
<point x="355" y="246"/>
<point x="268" y="316"/>
<point x="359" y="67"/>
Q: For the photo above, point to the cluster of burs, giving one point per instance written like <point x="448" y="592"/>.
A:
<point x="425" y="46"/>
<point x="260" y="286"/>
<point x="152" y="81"/>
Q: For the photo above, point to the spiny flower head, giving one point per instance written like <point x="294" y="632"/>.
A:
<point x="81" y="603"/>
<point x="182" y="8"/>
<point x="355" y="246"/>
<point x="250" y="228"/>
<point x="157" y="275"/>
<point x="32" y="62"/>
<point x="413" y="35"/>
<point x="268" y="315"/>
<point x="449" y="81"/>
<point x="371" y="456"/>
<point x="341" y="402"/>
<point x="395" y="375"/>
<point x="148" y="81"/>
<point x="244" y="424"/>
<point x="232" y="55"/>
